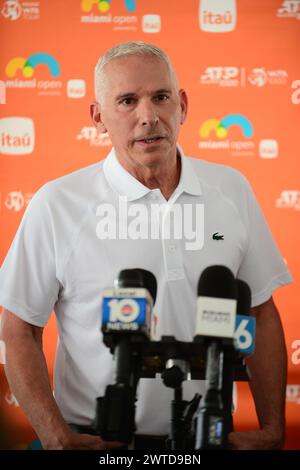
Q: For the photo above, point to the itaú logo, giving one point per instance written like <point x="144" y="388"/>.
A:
<point x="220" y="127"/>
<point x="217" y="16"/>
<point x="104" y="5"/>
<point x="16" y="136"/>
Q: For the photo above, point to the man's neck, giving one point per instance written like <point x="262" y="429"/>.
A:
<point x="164" y="176"/>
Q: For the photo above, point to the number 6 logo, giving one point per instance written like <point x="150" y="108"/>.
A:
<point x="244" y="333"/>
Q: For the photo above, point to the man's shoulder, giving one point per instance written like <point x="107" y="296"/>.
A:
<point x="221" y="177"/>
<point x="214" y="172"/>
<point x="78" y="178"/>
<point x="223" y="180"/>
<point x="78" y="184"/>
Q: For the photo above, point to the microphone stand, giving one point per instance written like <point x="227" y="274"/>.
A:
<point x="214" y="419"/>
<point x="138" y="357"/>
<point x="115" y="412"/>
<point x="181" y="436"/>
<point x="227" y="390"/>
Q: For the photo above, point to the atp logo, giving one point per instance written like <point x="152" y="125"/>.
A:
<point x="289" y="199"/>
<point x="104" y="5"/>
<point x="28" y="65"/>
<point x="221" y="127"/>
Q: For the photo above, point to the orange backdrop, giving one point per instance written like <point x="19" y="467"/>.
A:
<point x="237" y="60"/>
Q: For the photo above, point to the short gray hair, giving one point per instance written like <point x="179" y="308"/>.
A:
<point x="123" y="50"/>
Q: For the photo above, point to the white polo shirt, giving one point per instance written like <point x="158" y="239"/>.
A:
<point x="58" y="260"/>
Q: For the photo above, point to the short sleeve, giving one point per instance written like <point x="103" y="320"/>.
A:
<point x="28" y="277"/>
<point x="262" y="266"/>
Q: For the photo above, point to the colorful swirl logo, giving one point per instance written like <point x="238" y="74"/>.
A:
<point x="104" y="5"/>
<point x="27" y="65"/>
<point x="220" y="127"/>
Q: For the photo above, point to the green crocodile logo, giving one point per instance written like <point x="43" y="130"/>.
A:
<point x="216" y="236"/>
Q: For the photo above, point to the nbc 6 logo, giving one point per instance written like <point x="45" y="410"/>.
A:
<point x="123" y="310"/>
<point x="244" y="333"/>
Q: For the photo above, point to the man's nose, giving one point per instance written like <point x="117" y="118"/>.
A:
<point x="148" y="114"/>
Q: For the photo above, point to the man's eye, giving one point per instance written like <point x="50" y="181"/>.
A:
<point x="162" y="97"/>
<point x="127" y="101"/>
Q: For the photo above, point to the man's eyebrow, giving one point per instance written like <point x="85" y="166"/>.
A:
<point x="162" y="90"/>
<point x="123" y="96"/>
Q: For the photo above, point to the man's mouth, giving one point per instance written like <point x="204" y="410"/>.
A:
<point x="150" y="140"/>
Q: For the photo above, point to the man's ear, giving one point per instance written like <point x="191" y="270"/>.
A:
<point x="95" y="113"/>
<point x="183" y="105"/>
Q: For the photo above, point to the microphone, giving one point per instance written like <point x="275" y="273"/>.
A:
<point x="127" y="308"/>
<point x="215" y="324"/>
<point x="126" y="319"/>
<point x="216" y="303"/>
<point x="244" y="298"/>
<point x="241" y="336"/>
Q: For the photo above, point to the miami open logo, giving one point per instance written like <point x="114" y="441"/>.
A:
<point x="220" y="127"/>
<point x="21" y="73"/>
<point x="104" y="5"/>
<point x="27" y="66"/>
<point x="100" y="11"/>
<point x="214" y="134"/>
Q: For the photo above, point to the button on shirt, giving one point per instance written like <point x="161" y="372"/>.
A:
<point x="80" y="230"/>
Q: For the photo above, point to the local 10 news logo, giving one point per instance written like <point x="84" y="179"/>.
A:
<point x="126" y="309"/>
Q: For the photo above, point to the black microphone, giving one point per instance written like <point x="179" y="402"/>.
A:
<point x="216" y="315"/>
<point x="138" y="278"/>
<point x="126" y="320"/>
<point x="243" y="308"/>
<point x="127" y="308"/>
<point x="244" y="298"/>
<point x="134" y="285"/>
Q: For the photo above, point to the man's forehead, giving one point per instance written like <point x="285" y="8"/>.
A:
<point x="122" y="75"/>
<point x="137" y="58"/>
<point x="133" y="66"/>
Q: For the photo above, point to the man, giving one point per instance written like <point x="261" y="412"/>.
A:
<point x="62" y="258"/>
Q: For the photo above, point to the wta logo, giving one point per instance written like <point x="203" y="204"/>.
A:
<point x="28" y="65"/>
<point x="221" y="127"/>
<point x="104" y="5"/>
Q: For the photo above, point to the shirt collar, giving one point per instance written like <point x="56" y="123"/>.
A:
<point x="127" y="185"/>
<point x="189" y="181"/>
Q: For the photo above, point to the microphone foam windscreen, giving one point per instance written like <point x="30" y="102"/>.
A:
<point x="244" y="297"/>
<point x="138" y="278"/>
<point x="217" y="281"/>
